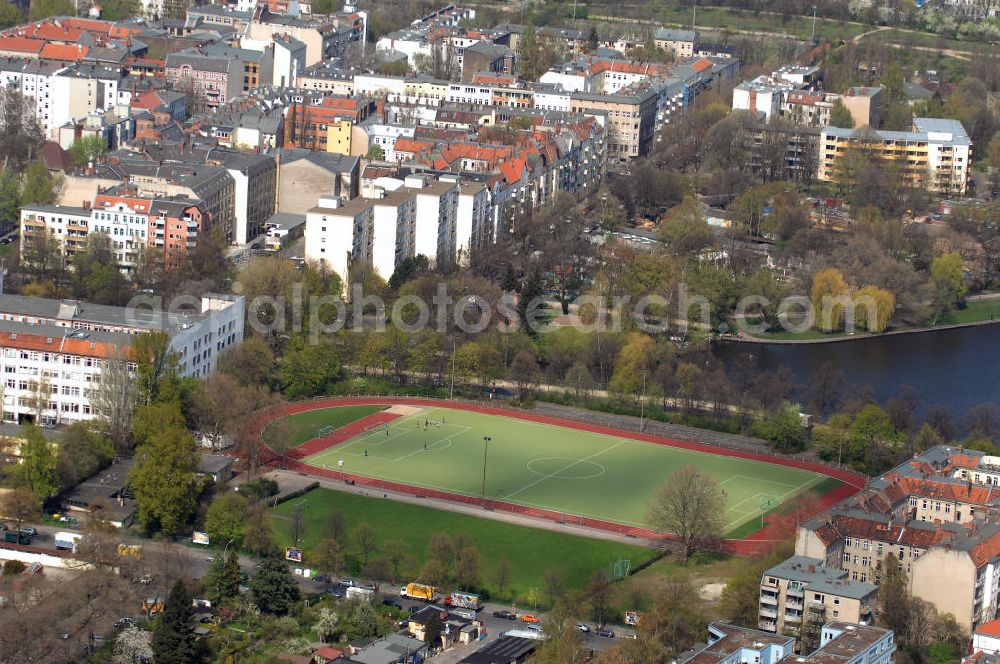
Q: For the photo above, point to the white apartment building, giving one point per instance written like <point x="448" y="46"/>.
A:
<point x="398" y="219"/>
<point x="52" y="351"/>
<point x="66" y="225"/>
<point x="384" y="136"/>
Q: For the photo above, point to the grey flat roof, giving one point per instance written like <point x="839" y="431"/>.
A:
<point x="819" y="578"/>
<point x="74" y="311"/>
<point x="502" y="651"/>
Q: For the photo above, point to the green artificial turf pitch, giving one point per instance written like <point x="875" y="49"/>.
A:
<point x="566" y="470"/>
<point x="303" y="427"/>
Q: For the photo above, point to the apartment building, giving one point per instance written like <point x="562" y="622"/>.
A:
<point x="839" y="643"/>
<point x="679" y="42"/>
<point x="67" y="226"/>
<point x="214" y="79"/>
<point x="935" y="155"/>
<point x="800" y="594"/>
<point x="864" y="103"/>
<point x="303" y="175"/>
<point x="396" y="219"/>
<point x="941" y="527"/>
<point x="52" y="351"/>
<point x="631" y="120"/>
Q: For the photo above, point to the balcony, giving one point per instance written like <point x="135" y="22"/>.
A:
<point x="767" y="612"/>
<point x="768" y="625"/>
<point x="768" y="599"/>
<point x="792" y="603"/>
<point x="793" y="591"/>
<point x="792" y="617"/>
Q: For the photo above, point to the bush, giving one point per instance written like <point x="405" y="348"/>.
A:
<point x="259" y="489"/>
<point x="12" y="567"/>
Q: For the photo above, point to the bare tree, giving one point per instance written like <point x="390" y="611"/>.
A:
<point x="690" y="505"/>
<point x="114" y="400"/>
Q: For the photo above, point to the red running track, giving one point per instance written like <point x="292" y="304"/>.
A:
<point x="340" y="435"/>
<point x="757" y="543"/>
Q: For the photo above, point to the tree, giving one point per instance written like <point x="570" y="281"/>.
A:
<point x="375" y="153"/>
<point x="876" y="308"/>
<point x="82" y="452"/>
<point x="174" y="641"/>
<point x="42" y="9"/>
<point x="947" y="282"/>
<point x="133" y="646"/>
<point x="524" y="370"/>
<point x="9" y="14"/>
<point x="250" y="363"/>
<point x="37" y="470"/>
<point x="156" y="365"/>
<point x="366" y="539"/>
<point x="784" y="427"/>
<point x="684" y="230"/>
<point x="258" y="536"/>
<point x="377" y="569"/>
<point x="327" y="557"/>
<point x="223" y="578"/>
<point x="163" y="479"/>
<point x="468" y="568"/>
<point x="840" y="116"/>
<point x="88" y="149"/>
<point x="691" y="506"/>
<point x="432" y="631"/>
<point x="502" y="574"/>
<point x="224" y="519"/>
<point x="828" y="292"/>
<point x="598" y="593"/>
<point x="327" y="624"/>
<point x="563" y="643"/>
<point x="273" y="587"/>
<point x="114" y="400"/>
<point x="826" y="390"/>
<point x="38" y="186"/>
<point x="20" y="505"/>
<point x="307" y="370"/>
<point x="983" y="421"/>
<point x="555" y="586"/>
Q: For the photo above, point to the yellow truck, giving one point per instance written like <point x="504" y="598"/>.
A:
<point x="418" y="591"/>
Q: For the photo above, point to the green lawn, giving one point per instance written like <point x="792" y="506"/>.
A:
<point x="294" y="430"/>
<point x="558" y="468"/>
<point x="974" y="311"/>
<point x="782" y="335"/>
<point x="733" y="19"/>
<point x="825" y="486"/>
<point x="530" y="551"/>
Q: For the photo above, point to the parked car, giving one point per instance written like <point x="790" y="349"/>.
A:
<point x="30" y="532"/>
<point x="393" y="603"/>
<point x="583" y="628"/>
<point x="606" y="633"/>
<point x="506" y="615"/>
<point x="534" y="627"/>
<point x="321" y="578"/>
<point x="529" y="618"/>
<point x="347" y="583"/>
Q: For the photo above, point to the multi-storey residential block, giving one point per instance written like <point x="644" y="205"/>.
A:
<point x="679" y="42"/>
<point x="939" y="525"/>
<point x="66" y="226"/>
<point x="864" y="103"/>
<point x="52" y="351"/>
<point x="935" y="155"/>
<point x="840" y="643"/>
<point x="801" y="594"/>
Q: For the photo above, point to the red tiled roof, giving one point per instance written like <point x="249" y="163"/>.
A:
<point x="701" y="65"/>
<point x="67" y="52"/>
<point x="991" y="628"/>
<point x="21" y="44"/>
<point x="413" y="145"/>
<point x="842" y="526"/>
<point x="82" y="347"/>
<point x="985" y="550"/>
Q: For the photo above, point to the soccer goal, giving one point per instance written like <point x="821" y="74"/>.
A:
<point x="325" y="431"/>
<point x="378" y="428"/>
<point x="767" y="503"/>
<point x="620" y="569"/>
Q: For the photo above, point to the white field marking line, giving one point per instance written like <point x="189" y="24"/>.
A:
<point x="780" y="498"/>
<point x="564" y="468"/>
<point x="343" y="448"/>
<point x="760" y="479"/>
<point x="430" y="446"/>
